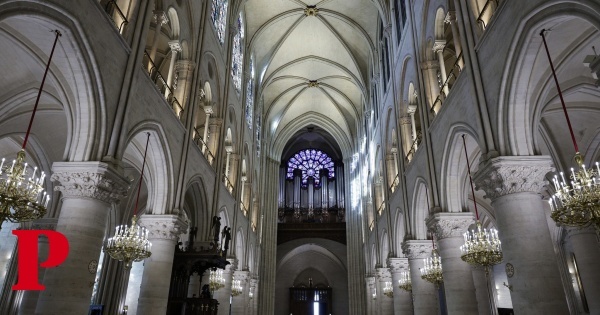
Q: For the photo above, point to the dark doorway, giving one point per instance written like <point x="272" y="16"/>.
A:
<point x="310" y="301"/>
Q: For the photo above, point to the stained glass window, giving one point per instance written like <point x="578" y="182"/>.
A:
<point x="250" y="95"/>
<point x="310" y="162"/>
<point x="237" y="57"/>
<point x="219" y="18"/>
<point x="258" y="125"/>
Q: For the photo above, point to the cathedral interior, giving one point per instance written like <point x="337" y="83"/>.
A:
<point x="304" y="157"/>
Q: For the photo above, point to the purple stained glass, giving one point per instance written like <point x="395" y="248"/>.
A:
<point x="219" y="18"/>
<point x="310" y="162"/>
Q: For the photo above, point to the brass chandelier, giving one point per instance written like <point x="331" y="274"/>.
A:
<point x="432" y="270"/>
<point x="482" y="246"/>
<point x="130" y="243"/>
<point x="236" y="288"/>
<point x="405" y="283"/>
<point x="215" y="279"/>
<point x="576" y="201"/>
<point x="22" y="196"/>
<point x="388" y="290"/>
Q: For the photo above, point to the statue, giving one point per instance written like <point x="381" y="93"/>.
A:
<point x="226" y="239"/>
<point x="205" y="294"/>
<point x="216" y="227"/>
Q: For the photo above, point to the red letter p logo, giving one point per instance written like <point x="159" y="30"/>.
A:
<point x="28" y="256"/>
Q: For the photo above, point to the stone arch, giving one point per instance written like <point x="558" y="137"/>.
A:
<point x="240" y="247"/>
<point x="159" y="168"/>
<point x="73" y="83"/>
<point x="385" y="248"/>
<point x="195" y="202"/>
<point x="419" y="211"/>
<point x="517" y="119"/>
<point x="454" y="167"/>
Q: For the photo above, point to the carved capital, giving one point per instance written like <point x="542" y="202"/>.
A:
<point x="208" y="109"/>
<point x="417" y="249"/>
<point x="411" y="109"/>
<point x="450" y="224"/>
<point x="160" y="17"/>
<point x="163" y="226"/>
<point x="508" y="175"/>
<point x="175" y="45"/>
<point x="383" y="274"/>
<point x="184" y="65"/>
<point x="450" y="17"/>
<point x="398" y="264"/>
<point x="439" y="45"/>
<point x="430" y="64"/>
<point x="243" y="276"/>
<point x="95" y="180"/>
<point x="405" y="120"/>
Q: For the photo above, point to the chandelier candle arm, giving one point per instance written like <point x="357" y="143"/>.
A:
<point x="482" y="246"/>
<point x="131" y="244"/>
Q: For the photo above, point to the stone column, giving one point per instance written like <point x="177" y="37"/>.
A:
<point x="402" y="299"/>
<point x="372" y="295"/>
<point x="160" y="17"/>
<point x="513" y="183"/>
<point x="30" y="298"/>
<point x="386" y="303"/>
<point x="208" y="110"/>
<point x="451" y="19"/>
<point x="482" y="289"/>
<point x="432" y="89"/>
<point x="425" y="297"/>
<point x="234" y="164"/>
<point x="163" y="231"/>
<point x="253" y="307"/>
<point x="438" y="48"/>
<point x="88" y="191"/>
<point x="181" y="86"/>
<point x="584" y="244"/>
<point x="223" y="294"/>
<point x="449" y="228"/>
<point x="405" y="133"/>
<point x="214" y="131"/>
<point x="412" y="109"/>
<point x="175" y="48"/>
<point x="242" y="194"/>
<point x="239" y="303"/>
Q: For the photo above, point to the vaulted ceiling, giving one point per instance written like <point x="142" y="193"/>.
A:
<point x="312" y="62"/>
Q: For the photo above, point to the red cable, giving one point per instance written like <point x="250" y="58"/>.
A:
<point x="562" y="101"/>
<point x="37" y="100"/>
<point x="470" y="179"/>
<point x="137" y="200"/>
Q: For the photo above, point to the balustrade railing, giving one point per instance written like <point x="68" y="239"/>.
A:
<point x="311" y="215"/>
<point x="161" y="84"/>
<point x="244" y="209"/>
<point x="116" y="15"/>
<point x="395" y="183"/>
<point x="228" y="184"/>
<point x="450" y="79"/>
<point x="381" y="208"/>
<point x="413" y="147"/>
<point x="371" y="225"/>
<point x="203" y="147"/>
<point x="486" y="13"/>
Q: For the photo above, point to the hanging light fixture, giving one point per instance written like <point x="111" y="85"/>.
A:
<point x="576" y="201"/>
<point x="236" y="288"/>
<point x="215" y="279"/>
<point x="432" y="270"/>
<point x="22" y="196"/>
<point x="130" y="243"/>
<point x="405" y="283"/>
<point x="482" y="246"/>
<point x="388" y="290"/>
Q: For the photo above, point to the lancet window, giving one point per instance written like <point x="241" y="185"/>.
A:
<point x="219" y="18"/>
<point x="250" y="95"/>
<point x="237" y="57"/>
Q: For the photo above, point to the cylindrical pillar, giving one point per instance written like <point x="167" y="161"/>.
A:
<point x="175" y="47"/>
<point x="208" y="110"/>
<point x="586" y="254"/>
<point x="513" y="183"/>
<point x="438" y="48"/>
<point x="163" y="232"/>
<point x="160" y="17"/>
<point x="386" y="303"/>
<point x="451" y="19"/>
<point x="458" y="279"/>
<point x="88" y="191"/>
<point x="402" y="299"/>
<point x="425" y="297"/>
